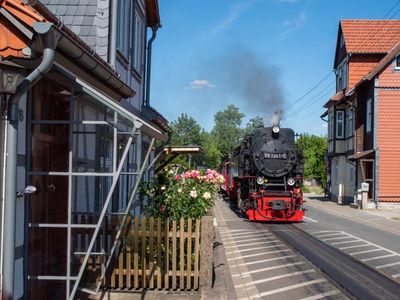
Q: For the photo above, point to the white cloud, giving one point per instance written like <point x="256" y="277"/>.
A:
<point x="324" y="125"/>
<point x="234" y="12"/>
<point x="294" y="24"/>
<point x="199" y="84"/>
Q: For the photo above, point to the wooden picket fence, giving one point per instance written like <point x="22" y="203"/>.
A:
<point x="163" y="254"/>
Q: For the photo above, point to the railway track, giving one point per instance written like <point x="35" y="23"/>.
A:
<point x="354" y="278"/>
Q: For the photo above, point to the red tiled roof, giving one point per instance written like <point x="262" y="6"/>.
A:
<point x="370" y="36"/>
<point x="11" y="42"/>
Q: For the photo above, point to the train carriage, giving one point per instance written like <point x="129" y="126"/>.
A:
<point x="264" y="176"/>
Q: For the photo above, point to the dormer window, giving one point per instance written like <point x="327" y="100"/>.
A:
<point x="397" y="63"/>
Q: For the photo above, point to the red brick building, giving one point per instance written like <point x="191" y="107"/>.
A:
<point x="363" y="114"/>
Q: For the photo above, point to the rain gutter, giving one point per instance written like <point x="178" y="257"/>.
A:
<point x="84" y="55"/>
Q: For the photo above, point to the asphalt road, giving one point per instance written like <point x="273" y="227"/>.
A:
<point x="325" y="257"/>
<point x="262" y="266"/>
<point x="377" y="247"/>
<point x="356" y="278"/>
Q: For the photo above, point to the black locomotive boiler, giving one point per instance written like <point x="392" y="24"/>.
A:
<point x="264" y="175"/>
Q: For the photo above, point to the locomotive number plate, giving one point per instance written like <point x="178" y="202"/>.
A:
<point x="275" y="155"/>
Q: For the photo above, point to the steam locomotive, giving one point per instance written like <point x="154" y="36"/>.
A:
<point x="264" y="176"/>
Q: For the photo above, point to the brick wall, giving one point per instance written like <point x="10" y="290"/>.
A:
<point x="388" y="144"/>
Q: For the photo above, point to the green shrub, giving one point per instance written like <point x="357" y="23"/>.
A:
<point x="188" y="195"/>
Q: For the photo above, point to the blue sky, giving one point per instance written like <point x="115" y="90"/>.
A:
<point x="259" y="55"/>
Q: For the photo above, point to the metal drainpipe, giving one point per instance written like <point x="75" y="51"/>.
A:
<point x="148" y="64"/>
<point x="113" y="34"/>
<point x="49" y="42"/>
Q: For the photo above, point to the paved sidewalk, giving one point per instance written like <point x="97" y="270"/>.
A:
<point x="387" y="219"/>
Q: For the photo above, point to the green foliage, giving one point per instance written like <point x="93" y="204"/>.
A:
<point x="189" y="195"/>
<point x="212" y="155"/>
<point x="227" y="131"/>
<point x="253" y="123"/>
<point x="314" y="150"/>
<point x="186" y="131"/>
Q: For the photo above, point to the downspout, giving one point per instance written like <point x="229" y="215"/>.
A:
<point x="113" y="34"/>
<point x="148" y="64"/>
<point x="49" y="43"/>
<point x="375" y="143"/>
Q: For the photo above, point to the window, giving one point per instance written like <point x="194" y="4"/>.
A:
<point x="397" y="63"/>
<point x="341" y="76"/>
<point x="123" y="26"/>
<point x="340" y="124"/>
<point x="341" y="40"/>
<point x="350" y="124"/>
<point x="138" y="41"/>
<point x="368" y="125"/>
<point x="330" y="126"/>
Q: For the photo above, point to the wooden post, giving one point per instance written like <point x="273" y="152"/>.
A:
<point x="174" y="249"/>
<point x="196" y="255"/>
<point x="151" y="254"/>
<point x="159" y="279"/>
<point x="182" y="254"/>
<point x="136" y="253"/>
<point x="206" y="252"/>
<point x="144" y="256"/>
<point x="166" y="278"/>
<point x="189" y="255"/>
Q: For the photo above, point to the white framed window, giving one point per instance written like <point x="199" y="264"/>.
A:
<point x="368" y="117"/>
<point x="123" y="26"/>
<point x="397" y="63"/>
<point x="339" y="124"/>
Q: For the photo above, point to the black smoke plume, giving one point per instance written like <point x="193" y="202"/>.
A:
<point x="252" y="79"/>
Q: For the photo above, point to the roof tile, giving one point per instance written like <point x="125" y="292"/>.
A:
<point x="381" y="35"/>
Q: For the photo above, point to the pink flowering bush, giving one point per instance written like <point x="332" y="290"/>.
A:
<point x="189" y="195"/>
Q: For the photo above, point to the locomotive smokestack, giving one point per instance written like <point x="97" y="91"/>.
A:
<point x="276" y="118"/>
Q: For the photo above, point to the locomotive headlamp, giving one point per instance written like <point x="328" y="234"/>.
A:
<point x="260" y="180"/>
<point x="291" y="181"/>
<point x="275" y="129"/>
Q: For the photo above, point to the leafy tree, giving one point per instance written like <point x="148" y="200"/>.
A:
<point x="314" y="149"/>
<point x="186" y="131"/>
<point x="253" y="123"/>
<point x="212" y="156"/>
<point x="227" y="131"/>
